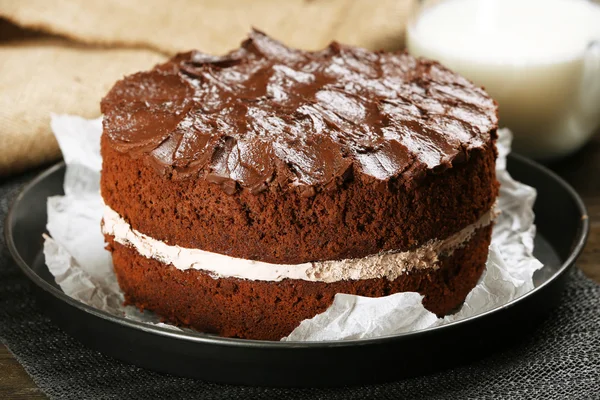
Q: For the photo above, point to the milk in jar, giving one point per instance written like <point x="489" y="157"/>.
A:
<point x="539" y="59"/>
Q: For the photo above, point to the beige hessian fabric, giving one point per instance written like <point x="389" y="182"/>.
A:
<point x="214" y="26"/>
<point x="42" y="76"/>
<point x="104" y="40"/>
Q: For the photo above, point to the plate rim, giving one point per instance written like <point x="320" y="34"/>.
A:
<point x="203" y="338"/>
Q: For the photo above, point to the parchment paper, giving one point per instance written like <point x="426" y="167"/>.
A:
<point x="75" y="252"/>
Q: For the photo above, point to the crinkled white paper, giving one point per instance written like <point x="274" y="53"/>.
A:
<point x="75" y="252"/>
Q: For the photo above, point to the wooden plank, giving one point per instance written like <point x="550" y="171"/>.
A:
<point x="15" y="384"/>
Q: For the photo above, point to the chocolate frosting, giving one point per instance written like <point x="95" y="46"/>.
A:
<point x="268" y="116"/>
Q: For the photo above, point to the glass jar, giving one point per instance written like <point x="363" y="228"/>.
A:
<point x="539" y="59"/>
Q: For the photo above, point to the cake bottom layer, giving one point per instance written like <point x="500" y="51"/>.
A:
<point x="264" y="310"/>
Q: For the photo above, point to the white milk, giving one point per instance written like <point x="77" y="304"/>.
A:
<point x="535" y="57"/>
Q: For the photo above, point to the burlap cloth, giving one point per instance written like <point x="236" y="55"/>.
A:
<point x="560" y="360"/>
<point x="62" y="56"/>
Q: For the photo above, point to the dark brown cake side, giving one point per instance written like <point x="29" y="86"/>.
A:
<point x="271" y="310"/>
<point x="287" y="228"/>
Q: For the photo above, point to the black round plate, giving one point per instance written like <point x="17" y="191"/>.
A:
<point x="562" y="226"/>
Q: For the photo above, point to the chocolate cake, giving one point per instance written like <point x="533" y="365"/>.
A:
<point x="244" y="191"/>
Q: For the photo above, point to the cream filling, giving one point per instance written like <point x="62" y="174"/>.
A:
<point x="389" y="264"/>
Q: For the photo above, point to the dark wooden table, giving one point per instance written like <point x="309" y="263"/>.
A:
<point x="581" y="170"/>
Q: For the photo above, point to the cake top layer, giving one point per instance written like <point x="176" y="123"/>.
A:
<point x="267" y="115"/>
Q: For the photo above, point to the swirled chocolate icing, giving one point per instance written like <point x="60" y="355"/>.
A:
<point x="267" y="115"/>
